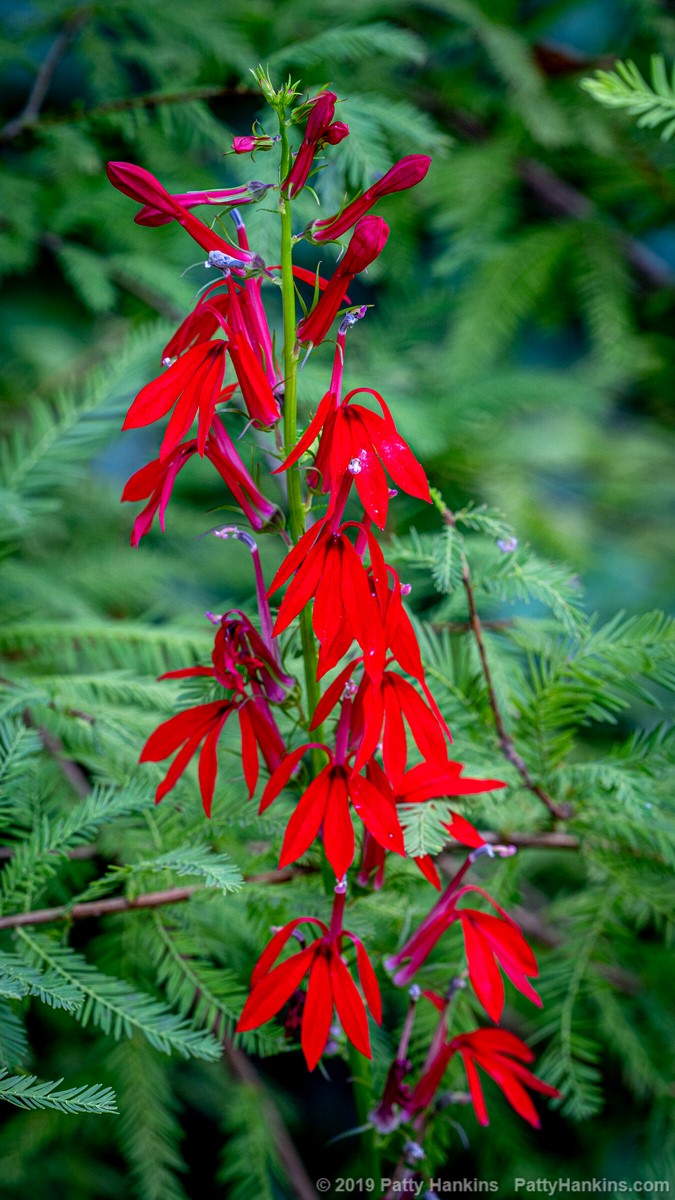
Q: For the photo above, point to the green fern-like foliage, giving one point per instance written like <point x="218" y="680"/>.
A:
<point x="652" y="102"/>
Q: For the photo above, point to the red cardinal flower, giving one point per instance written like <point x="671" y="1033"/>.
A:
<point x="193" y="384"/>
<point x="149" y="215"/>
<point x="143" y="187"/>
<point x="426" y="781"/>
<point x="368" y="240"/>
<point x="404" y="174"/>
<point x="326" y="566"/>
<point x="356" y="439"/>
<point x="325" y="805"/>
<point x="320" y="129"/>
<point x="201" y="726"/>
<point x="380" y="707"/>
<point x="241" y="659"/>
<point x="330" y="986"/>
<point x="489" y="941"/>
<point x="241" y="655"/>
<point x="502" y="1056"/>
<point x="155" y="481"/>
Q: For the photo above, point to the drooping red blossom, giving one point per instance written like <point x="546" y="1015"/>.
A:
<point x="156" y="480"/>
<point x="142" y="186"/>
<point x="326" y="566"/>
<point x="320" y="129"/>
<point x="488" y="941"/>
<point x="192" y="385"/>
<point x="325" y="805"/>
<point x="356" y="439"/>
<point x="404" y="174"/>
<point x="330" y="986"/>
<point x="502" y="1056"/>
<point x="368" y="240"/>
<point x="201" y="726"/>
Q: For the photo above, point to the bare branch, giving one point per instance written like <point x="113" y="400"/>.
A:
<point x="29" y="115"/>
<point x="117" y="904"/>
<point x="562" y="811"/>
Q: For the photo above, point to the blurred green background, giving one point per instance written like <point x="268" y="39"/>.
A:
<point x="523" y="322"/>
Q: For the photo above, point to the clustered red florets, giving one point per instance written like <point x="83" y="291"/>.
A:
<point x="223" y="355"/>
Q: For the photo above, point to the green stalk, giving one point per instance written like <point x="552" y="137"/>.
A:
<point x="362" y="1091"/>
<point x="295" y="504"/>
<point x="360" y="1066"/>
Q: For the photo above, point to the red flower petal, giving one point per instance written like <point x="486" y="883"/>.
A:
<point x="273" y="990"/>
<point x="318" y="1011"/>
<point x="350" y="1007"/>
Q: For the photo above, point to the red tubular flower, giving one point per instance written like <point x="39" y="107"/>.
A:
<point x="368" y="240"/>
<point x="330" y="986"/>
<point x="155" y="481"/>
<point x="404" y="174"/>
<point x="193" y="384"/>
<point x="261" y="405"/>
<point x="325" y="804"/>
<point x="143" y="187"/>
<point x="489" y="940"/>
<point x="320" y="129"/>
<point x="241" y="655"/>
<point x="149" y="215"/>
<point x="426" y="781"/>
<point x="356" y="439"/>
<point x="327" y="567"/>
<point x="186" y="731"/>
<point x="502" y="1056"/>
<point x="380" y="707"/>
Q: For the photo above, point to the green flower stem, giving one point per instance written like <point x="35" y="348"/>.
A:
<point x="362" y="1091"/>
<point x="295" y="503"/>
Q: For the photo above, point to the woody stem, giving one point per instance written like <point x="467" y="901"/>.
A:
<point x="295" y="504"/>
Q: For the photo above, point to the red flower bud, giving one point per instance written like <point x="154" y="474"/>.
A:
<point x="368" y="240"/>
<point x="404" y="174"/>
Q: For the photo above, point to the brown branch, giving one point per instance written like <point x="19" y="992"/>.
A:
<point x="27" y="118"/>
<point x="244" y="1070"/>
<point x="561" y="197"/>
<point x="564" y="199"/>
<point x="562" y="811"/>
<point x="117" y="904"/>
<point x="54" y="746"/>
<point x="129" y="103"/>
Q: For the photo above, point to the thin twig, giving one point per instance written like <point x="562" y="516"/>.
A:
<point x="118" y="904"/>
<point x="562" y="811"/>
<point x="28" y="116"/>
<point x="244" y="1070"/>
<point x="129" y="103"/>
<point x="54" y="746"/>
<point x="529" y="841"/>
